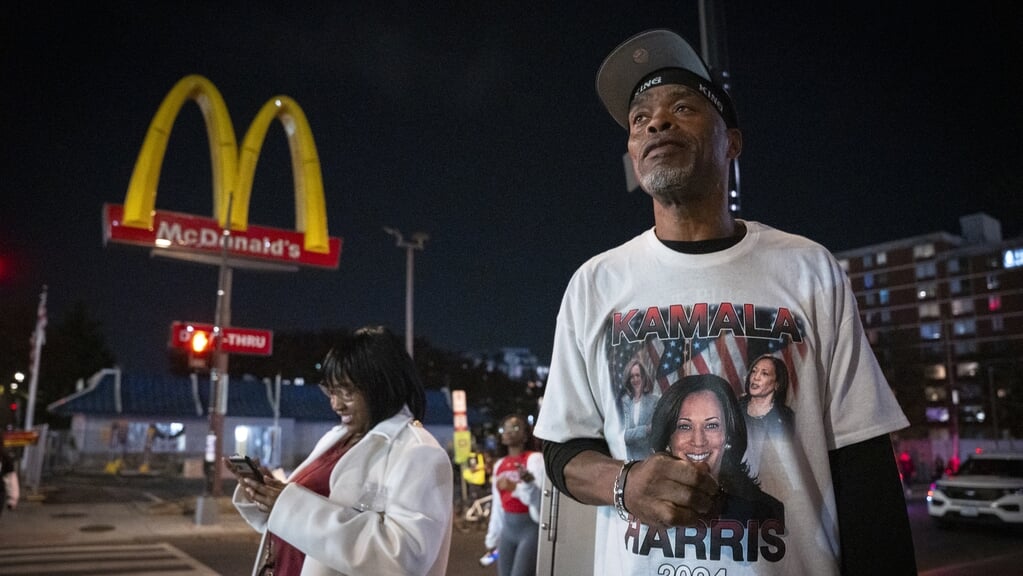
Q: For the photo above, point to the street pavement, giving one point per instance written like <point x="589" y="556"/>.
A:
<point x="80" y="510"/>
<point x="101" y="523"/>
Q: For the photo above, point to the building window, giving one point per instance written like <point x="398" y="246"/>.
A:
<point x="1012" y="258"/>
<point x="870" y="298"/>
<point x="868" y="318"/>
<point x="925" y="291"/>
<point x="868" y="261"/>
<point x="967" y="369"/>
<point x="934" y="372"/>
<point x="965" y="348"/>
<point x="881" y="258"/>
<point x="926" y="270"/>
<point x="997" y="324"/>
<point x="992" y="281"/>
<point x="953" y="266"/>
<point x="883" y="295"/>
<point x="921" y="251"/>
<point x="962" y="306"/>
<point x="886" y="316"/>
<point x="994" y="302"/>
<point x="868" y="280"/>
<point x="965" y="327"/>
<point x="929" y="310"/>
<point x="930" y="331"/>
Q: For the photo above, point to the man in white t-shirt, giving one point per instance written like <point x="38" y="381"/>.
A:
<point x="703" y="295"/>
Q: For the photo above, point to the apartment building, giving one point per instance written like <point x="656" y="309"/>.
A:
<point x="944" y="315"/>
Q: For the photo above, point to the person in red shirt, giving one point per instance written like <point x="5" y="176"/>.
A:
<point x="515" y="509"/>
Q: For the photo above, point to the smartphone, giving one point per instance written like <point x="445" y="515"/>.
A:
<point x="243" y="466"/>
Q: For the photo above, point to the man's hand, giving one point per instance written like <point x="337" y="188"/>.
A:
<point x="664" y="491"/>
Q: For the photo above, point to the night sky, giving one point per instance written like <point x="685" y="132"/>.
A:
<point x="477" y="123"/>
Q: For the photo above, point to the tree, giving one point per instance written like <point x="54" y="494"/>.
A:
<point x="75" y="349"/>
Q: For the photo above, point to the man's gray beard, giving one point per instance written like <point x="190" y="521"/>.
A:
<point x="668" y="185"/>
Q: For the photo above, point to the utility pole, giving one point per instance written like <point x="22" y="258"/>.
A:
<point x="416" y="243"/>
<point x="714" y="50"/>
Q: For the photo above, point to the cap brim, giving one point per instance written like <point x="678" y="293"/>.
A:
<point x="637" y="57"/>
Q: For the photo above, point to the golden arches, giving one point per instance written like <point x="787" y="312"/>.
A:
<point x="232" y="173"/>
<point x="310" y="207"/>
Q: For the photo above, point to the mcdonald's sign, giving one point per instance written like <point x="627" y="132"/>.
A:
<point x="138" y="222"/>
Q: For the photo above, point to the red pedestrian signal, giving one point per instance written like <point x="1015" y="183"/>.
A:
<point x="200" y="345"/>
<point x="200" y="342"/>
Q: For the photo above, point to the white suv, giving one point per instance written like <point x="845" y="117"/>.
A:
<point x="988" y="486"/>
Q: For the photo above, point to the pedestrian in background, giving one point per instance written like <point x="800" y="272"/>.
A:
<point x="9" y="471"/>
<point x="517" y="484"/>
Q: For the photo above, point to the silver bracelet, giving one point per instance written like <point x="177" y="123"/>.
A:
<point x="619" y="490"/>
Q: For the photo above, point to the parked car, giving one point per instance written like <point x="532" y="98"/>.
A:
<point x="988" y="486"/>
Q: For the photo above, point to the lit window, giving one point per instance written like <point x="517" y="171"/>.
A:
<point x="929" y="310"/>
<point x="935" y="372"/>
<point x="1012" y="258"/>
<point x="925" y="291"/>
<point x="965" y="326"/>
<point x="967" y="369"/>
<point x="992" y="281"/>
<point x="962" y="306"/>
<point x="868" y="280"/>
<point x="881" y="258"/>
<point x="923" y="250"/>
<point x="994" y="302"/>
<point x="926" y="270"/>
<point x="930" y="331"/>
<point x="882" y="295"/>
<point x="955" y="286"/>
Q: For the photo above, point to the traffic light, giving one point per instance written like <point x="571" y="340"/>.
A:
<point x="200" y="346"/>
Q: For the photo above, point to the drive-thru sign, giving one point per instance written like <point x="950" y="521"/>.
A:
<point x="232" y="340"/>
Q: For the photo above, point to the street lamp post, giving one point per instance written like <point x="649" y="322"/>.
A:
<point x="416" y="243"/>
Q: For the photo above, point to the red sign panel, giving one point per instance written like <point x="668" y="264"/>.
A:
<point x="185" y="232"/>
<point x="20" y="438"/>
<point x="232" y="340"/>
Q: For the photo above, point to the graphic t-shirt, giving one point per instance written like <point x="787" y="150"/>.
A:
<point x="508" y="468"/>
<point x="713" y="314"/>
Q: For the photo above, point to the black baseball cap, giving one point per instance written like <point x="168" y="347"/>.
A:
<point x="651" y="58"/>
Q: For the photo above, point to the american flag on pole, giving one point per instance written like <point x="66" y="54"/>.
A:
<point x="39" y="335"/>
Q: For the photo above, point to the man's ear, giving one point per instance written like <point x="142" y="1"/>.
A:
<point x="734" y="143"/>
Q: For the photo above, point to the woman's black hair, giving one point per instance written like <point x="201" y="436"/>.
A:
<point x="374" y="360"/>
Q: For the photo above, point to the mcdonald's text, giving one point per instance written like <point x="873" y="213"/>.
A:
<point x="178" y="231"/>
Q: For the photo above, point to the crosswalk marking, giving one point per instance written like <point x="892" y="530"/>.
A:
<point x="158" y="559"/>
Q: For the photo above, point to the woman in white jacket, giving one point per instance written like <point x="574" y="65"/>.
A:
<point x="517" y="485"/>
<point x="375" y="495"/>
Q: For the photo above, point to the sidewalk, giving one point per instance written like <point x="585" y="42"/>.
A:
<point x="115" y="514"/>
